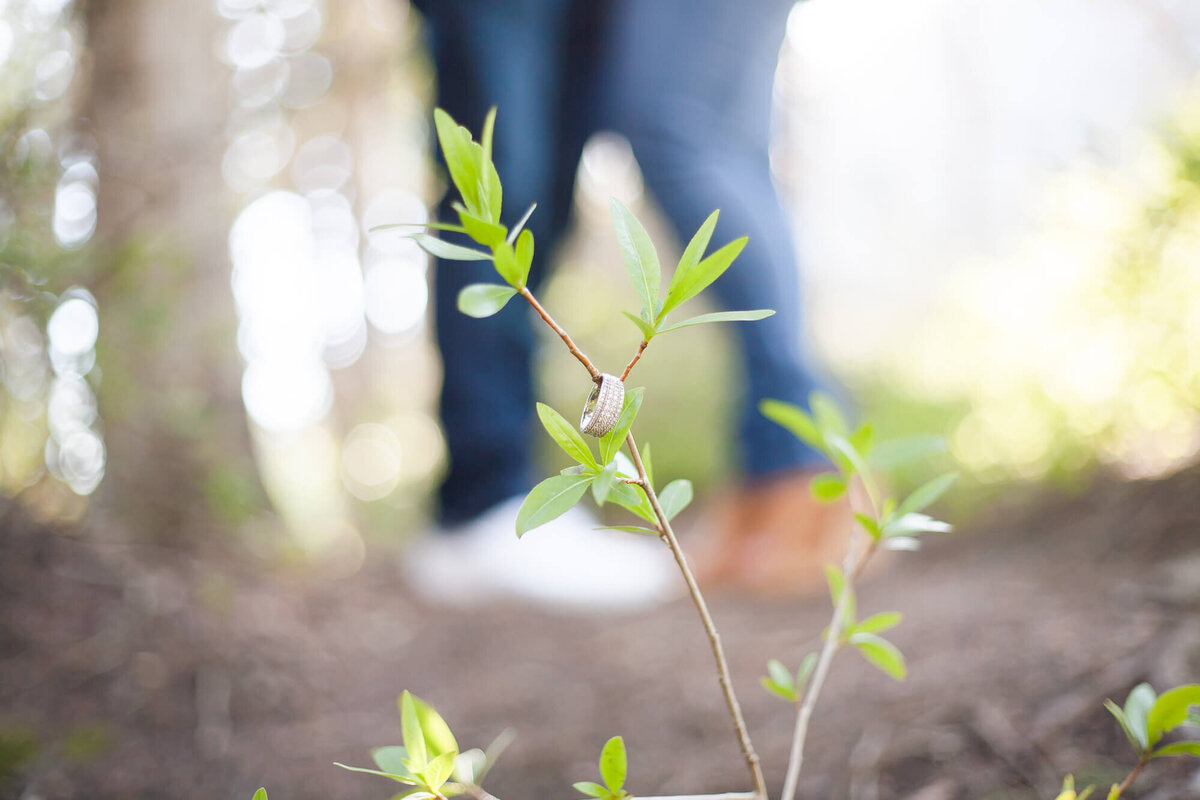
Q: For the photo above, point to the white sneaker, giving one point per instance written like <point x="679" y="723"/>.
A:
<point x="565" y="566"/>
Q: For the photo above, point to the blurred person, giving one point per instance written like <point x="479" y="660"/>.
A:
<point x="690" y="84"/>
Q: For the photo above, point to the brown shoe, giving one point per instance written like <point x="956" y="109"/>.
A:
<point x="772" y="538"/>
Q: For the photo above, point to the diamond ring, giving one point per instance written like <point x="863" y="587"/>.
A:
<point x="603" y="407"/>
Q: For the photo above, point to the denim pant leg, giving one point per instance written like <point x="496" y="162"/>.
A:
<point x="509" y="54"/>
<point x="691" y="87"/>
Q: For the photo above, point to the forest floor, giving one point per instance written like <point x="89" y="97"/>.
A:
<point x="133" y="670"/>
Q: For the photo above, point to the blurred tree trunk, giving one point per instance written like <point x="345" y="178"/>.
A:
<point x="170" y="397"/>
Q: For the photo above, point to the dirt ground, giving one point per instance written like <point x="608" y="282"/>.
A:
<point x="136" y="671"/>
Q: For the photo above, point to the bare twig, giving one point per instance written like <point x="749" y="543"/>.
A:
<point x="710" y="628"/>
<point x="641" y="349"/>
<point x="851" y="567"/>
<point x="549" y="320"/>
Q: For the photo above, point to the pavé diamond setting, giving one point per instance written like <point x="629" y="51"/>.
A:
<point x="603" y="407"/>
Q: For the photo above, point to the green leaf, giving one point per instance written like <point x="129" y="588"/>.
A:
<point x="590" y="789"/>
<point x="481" y="300"/>
<point x="550" y="499"/>
<point x="720" y="316"/>
<point x="396" y="778"/>
<point x="488" y="234"/>
<point x="878" y="623"/>
<point x="827" y="415"/>
<point x="613" y="765"/>
<point x="892" y="453"/>
<point x="439" y="770"/>
<point x="261" y="794"/>
<point x="702" y="276"/>
<point x="393" y="760"/>
<point x="915" y="523"/>
<point x="1177" y="749"/>
<point x="927" y="494"/>
<point x="448" y="250"/>
<point x="1170" y="710"/>
<point x="779" y="690"/>
<point x="524" y="254"/>
<point x="610" y="443"/>
<point x="438" y="736"/>
<point x="455" y="142"/>
<point x="641" y="259"/>
<point x="604" y="482"/>
<point x="827" y="487"/>
<point x="565" y="435"/>
<point x="688" y="263"/>
<point x="647" y="464"/>
<point x="780" y="674"/>
<point x="436" y="226"/>
<point x="629" y="529"/>
<point x="491" y="193"/>
<point x="507" y="266"/>
<point x="869" y="524"/>
<point x="863" y="439"/>
<point x="485" y="137"/>
<point x="1114" y="792"/>
<point x="414" y="737"/>
<point x="1137" y="710"/>
<point x="1119" y="715"/>
<point x="794" y="419"/>
<point x="805" y="671"/>
<point x="902" y="543"/>
<point x="521" y="223"/>
<point x="632" y="498"/>
<point x="675" y="497"/>
<point x="881" y="653"/>
<point x="648" y="330"/>
<point x="849" y="456"/>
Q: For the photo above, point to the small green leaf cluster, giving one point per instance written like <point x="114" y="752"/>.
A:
<point x="511" y="251"/>
<point x="892" y="524"/>
<point x="429" y="757"/>
<point x="613" y="768"/>
<point x="1146" y="717"/>
<point x="694" y="273"/>
<point x="474" y="175"/>
<point x="780" y="681"/>
<point x="865" y="635"/>
<point x="611" y="476"/>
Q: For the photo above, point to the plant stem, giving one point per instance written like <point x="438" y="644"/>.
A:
<point x="1129" y="778"/>
<point x="851" y="567"/>
<point x="628" y="367"/>
<point x="710" y="628"/>
<point x="549" y="320"/>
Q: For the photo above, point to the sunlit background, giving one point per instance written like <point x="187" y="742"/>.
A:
<point x="998" y="206"/>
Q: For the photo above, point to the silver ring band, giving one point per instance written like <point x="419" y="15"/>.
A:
<point x="603" y="407"/>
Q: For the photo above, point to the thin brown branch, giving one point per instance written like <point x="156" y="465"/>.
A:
<point x="1125" y="784"/>
<point x="549" y="320"/>
<point x="710" y="628"/>
<point x="628" y="367"/>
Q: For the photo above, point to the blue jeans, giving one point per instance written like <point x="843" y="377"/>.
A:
<point x="689" y="83"/>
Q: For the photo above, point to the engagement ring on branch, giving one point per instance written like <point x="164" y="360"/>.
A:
<point x="603" y="406"/>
